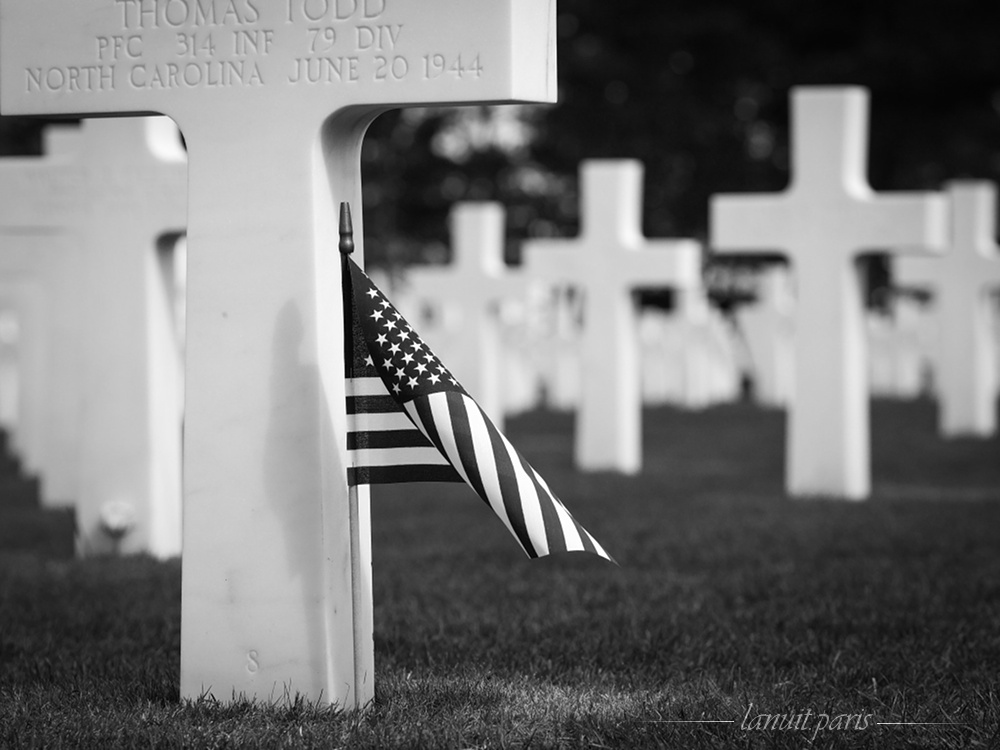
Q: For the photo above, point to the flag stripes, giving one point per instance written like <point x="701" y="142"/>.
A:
<point x="487" y="461"/>
<point x="383" y="440"/>
<point x="409" y="420"/>
<point x="383" y="445"/>
<point x="399" y="473"/>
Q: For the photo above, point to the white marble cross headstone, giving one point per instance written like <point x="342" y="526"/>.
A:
<point x="961" y="281"/>
<point x="826" y="218"/>
<point x="24" y="378"/>
<point x="608" y="262"/>
<point x="688" y="357"/>
<point x="474" y="286"/>
<point x="896" y="364"/>
<point x="134" y="177"/>
<point x="46" y="435"/>
<point x="112" y="188"/>
<point x="273" y="100"/>
<point x="768" y="330"/>
<point x="560" y="360"/>
<point x="523" y="324"/>
<point x="9" y="376"/>
<point x="40" y="200"/>
<point x="996" y="339"/>
<point x="704" y="350"/>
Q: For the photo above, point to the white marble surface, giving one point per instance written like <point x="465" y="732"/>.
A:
<point x="768" y="328"/>
<point x="24" y="375"/>
<point x="607" y="263"/>
<point x="898" y="346"/>
<point x="961" y="282"/>
<point x="688" y="355"/>
<point x="41" y="210"/>
<point x="467" y="295"/>
<point x="135" y="184"/>
<point x="823" y="221"/>
<point x="276" y="564"/>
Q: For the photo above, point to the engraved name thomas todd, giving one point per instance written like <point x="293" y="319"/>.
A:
<point x="166" y="44"/>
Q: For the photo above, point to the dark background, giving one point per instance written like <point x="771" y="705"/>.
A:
<point x="698" y="91"/>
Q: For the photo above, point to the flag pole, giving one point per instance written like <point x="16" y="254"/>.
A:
<point x="346" y="229"/>
<point x="346" y="247"/>
<point x="358" y="496"/>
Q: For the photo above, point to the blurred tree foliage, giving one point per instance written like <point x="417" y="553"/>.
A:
<point x="698" y="91"/>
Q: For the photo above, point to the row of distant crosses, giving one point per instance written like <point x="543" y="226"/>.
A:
<point x="276" y="545"/>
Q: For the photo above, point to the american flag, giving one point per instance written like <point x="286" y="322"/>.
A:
<point x="410" y="420"/>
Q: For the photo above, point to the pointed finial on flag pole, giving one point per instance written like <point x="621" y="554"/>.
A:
<point x="346" y="229"/>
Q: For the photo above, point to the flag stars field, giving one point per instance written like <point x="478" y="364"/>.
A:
<point x="410" y="420"/>
<point x="397" y="364"/>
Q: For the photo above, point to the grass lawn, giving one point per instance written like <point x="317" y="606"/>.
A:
<point x="738" y="618"/>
